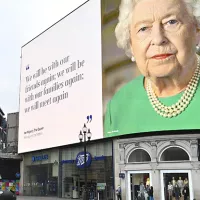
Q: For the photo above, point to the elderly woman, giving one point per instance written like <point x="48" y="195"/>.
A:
<point x="161" y="36"/>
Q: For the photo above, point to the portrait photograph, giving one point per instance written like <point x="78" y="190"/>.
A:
<point x="151" y="66"/>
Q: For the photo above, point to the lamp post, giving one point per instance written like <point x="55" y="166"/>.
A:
<point x="82" y="137"/>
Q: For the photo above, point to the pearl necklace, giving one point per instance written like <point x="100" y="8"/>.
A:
<point x="182" y="104"/>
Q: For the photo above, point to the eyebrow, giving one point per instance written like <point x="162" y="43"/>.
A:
<point x="171" y="14"/>
<point x="168" y="16"/>
<point x="142" y="22"/>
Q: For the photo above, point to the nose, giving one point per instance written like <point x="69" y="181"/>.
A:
<point x="158" y="36"/>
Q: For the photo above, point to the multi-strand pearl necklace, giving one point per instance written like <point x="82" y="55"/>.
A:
<point x="182" y="104"/>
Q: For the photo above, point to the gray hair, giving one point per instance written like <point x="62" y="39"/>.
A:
<point x="122" y="30"/>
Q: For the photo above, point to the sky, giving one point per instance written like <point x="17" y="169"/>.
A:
<point x="21" y="21"/>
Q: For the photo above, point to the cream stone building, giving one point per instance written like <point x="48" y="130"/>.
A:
<point x="159" y="158"/>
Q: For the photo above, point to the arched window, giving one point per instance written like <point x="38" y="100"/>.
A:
<point x="139" y="155"/>
<point x="174" y="154"/>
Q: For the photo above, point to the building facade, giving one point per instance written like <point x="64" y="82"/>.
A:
<point x="60" y="172"/>
<point x="3" y="131"/>
<point x="131" y="162"/>
<point x="40" y="173"/>
<point x="12" y="132"/>
<point x="9" y="160"/>
<point x="158" y="161"/>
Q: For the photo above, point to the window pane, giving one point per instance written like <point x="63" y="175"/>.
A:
<point x="139" y="155"/>
<point x="174" y="154"/>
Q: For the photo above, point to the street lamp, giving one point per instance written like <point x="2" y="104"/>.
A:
<point x="82" y="137"/>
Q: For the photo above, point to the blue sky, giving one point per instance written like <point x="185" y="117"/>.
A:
<point x="22" y="20"/>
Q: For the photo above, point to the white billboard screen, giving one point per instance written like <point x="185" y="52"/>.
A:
<point x="61" y="82"/>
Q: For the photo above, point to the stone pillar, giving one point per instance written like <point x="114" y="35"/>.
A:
<point x="119" y="157"/>
<point x="116" y="151"/>
<point x="194" y="150"/>
<point x="153" y="152"/>
<point x="195" y="180"/>
<point x="123" y="186"/>
<point x="21" y="183"/>
<point x="60" y="174"/>
<point x="155" y="174"/>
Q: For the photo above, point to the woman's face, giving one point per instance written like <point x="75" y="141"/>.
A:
<point x="163" y="37"/>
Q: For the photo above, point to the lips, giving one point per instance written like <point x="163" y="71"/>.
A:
<point x="161" y="56"/>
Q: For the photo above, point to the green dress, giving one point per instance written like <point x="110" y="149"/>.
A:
<point x="130" y="111"/>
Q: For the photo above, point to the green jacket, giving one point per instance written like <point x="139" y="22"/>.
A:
<point x="130" y="111"/>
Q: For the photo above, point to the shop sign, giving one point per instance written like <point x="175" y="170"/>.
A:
<point x="121" y="175"/>
<point x="39" y="158"/>
<point x="96" y="158"/>
<point x="99" y="158"/>
<point x="17" y="175"/>
<point x="101" y="186"/>
<point x="80" y="161"/>
<point x="67" y="161"/>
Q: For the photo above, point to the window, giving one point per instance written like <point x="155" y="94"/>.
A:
<point x="139" y="155"/>
<point x="174" y="154"/>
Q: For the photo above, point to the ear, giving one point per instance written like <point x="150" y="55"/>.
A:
<point x="197" y="33"/>
<point x="198" y="37"/>
<point x="132" y="52"/>
<point x="131" y="48"/>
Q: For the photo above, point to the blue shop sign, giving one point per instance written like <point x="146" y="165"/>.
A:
<point x="99" y="158"/>
<point x="67" y="162"/>
<point x="17" y="175"/>
<point x="39" y="158"/>
<point x="122" y="175"/>
<point x="80" y="161"/>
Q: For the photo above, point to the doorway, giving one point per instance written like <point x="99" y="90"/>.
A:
<point x="139" y="183"/>
<point x="174" y="183"/>
<point x="42" y="183"/>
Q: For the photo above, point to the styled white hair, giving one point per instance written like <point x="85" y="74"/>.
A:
<point x="122" y="30"/>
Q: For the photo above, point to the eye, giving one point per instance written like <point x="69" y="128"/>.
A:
<point x="143" y="29"/>
<point x="173" y="21"/>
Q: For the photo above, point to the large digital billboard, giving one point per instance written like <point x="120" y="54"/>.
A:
<point x="61" y="81"/>
<point x="121" y="66"/>
<point x="156" y="86"/>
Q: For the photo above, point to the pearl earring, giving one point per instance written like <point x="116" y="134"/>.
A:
<point x="133" y="59"/>
<point x="197" y="48"/>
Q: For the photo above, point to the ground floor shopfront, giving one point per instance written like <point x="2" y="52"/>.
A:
<point x="10" y="173"/>
<point x="41" y="170"/>
<point x="99" y="171"/>
<point x="133" y="163"/>
<point x="59" y="171"/>
<point x="168" y="163"/>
